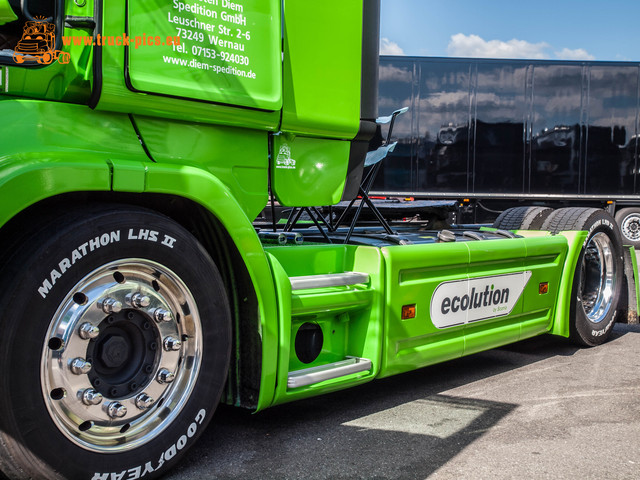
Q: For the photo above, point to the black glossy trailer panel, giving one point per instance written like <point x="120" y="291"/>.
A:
<point x="522" y="129"/>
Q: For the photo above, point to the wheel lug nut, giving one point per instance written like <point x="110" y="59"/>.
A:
<point x="165" y="376"/>
<point x="79" y="366"/>
<point x="162" y="315"/>
<point x="91" y="397"/>
<point x="138" y="300"/>
<point x="88" y="331"/>
<point x="110" y="305"/>
<point x="144" y="401"/>
<point x="171" y="344"/>
<point x="116" y="410"/>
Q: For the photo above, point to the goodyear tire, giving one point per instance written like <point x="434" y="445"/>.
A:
<point x="522" y="218"/>
<point x="115" y="346"/>
<point x="598" y="279"/>
<point x="628" y="220"/>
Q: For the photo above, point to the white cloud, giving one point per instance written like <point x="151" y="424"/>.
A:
<point x="577" y="54"/>
<point x="387" y="47"/>
<point x="390" y="73"/>
<point x="462" y="45"/>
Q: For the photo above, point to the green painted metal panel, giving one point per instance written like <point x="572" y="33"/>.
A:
<point x="543" y="257"/>
<point x="117" y="96"/>
<point x="563" y="307"/>
<point x="237" y="157"/>
<point x="351" y="320"/>
<point x="46" y="152"/>
<point x="546" y="258"/>
<point x="412" y="274"/>
<point x="127" y="175"/>
<point x="488" y="259"/>
<point x="321" y="98"/>
<point x="308" y="171"/>
<point x="205" y="189"/>
<point x="469" y="270"/>
<point x="226" y="52"/>
<point x="634" y="263"/>
<point x="341" y="299"/>
<point x="6" y="12"/>
<point x="322" y="65"/>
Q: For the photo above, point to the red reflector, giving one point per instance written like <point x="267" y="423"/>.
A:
<point x="408" y="311"/>
<point x="543" y="288"/>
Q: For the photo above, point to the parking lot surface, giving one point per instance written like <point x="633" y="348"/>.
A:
<point x="541" y="408"/>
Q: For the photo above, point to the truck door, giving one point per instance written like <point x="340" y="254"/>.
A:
<point x="218" y="51"/>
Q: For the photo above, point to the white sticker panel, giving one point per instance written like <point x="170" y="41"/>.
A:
<point x="470" y="300"/>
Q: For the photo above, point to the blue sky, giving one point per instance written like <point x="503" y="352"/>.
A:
<point x="559" y="29"/>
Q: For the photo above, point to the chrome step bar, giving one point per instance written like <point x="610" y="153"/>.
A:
<point x="328" y="280"/>
<point x="309" y="376"/>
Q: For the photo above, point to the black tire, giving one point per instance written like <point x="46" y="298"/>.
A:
<point x="68" y="276"/>
<point x="598" y="279"/>
<point x="628" y="219"/>
<point x="522" y="218"/>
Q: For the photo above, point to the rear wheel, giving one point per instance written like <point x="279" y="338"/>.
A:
<point x="116" y="331"/>
<point x="628" y="220"/>
<point x="598" y="278"/>
<point x="522" y="218"/>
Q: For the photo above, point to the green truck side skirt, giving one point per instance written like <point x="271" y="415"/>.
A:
<point x="366" y="320"/>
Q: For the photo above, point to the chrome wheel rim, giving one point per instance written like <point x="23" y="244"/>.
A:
<point x="630" y="227"/>
<point x="598" y="278"/>
<point x="121" y="356"/>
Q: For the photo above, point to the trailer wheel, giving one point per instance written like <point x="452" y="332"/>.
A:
<point x="598" y="279"/>
<point x="115" y="345"/>
<point x="628" y="220"/>
<point x="522" y="218"/>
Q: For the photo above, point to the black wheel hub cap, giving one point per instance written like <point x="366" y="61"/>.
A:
<point x="123" y="356"/>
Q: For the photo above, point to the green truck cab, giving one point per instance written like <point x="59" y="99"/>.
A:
<point x="137" y="292"/>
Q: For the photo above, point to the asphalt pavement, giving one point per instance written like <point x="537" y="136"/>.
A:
<point x="541" y="408"/>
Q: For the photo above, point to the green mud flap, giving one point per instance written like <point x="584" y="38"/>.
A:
<point x="629" y="300"/>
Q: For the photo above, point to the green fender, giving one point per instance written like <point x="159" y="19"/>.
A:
<point x="27" y="182"/>
<point x="562" y="318"/>
<point x="30" y="178"/>
<point x="204" y="188"/>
